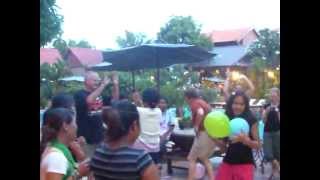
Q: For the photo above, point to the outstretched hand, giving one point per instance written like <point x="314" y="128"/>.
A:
<point x="105" y="81"/>
<point x="115" y="78"/>
<point x="242" y="76"/>
<point x="228" y="72"/>
<point x="82" y="141"/>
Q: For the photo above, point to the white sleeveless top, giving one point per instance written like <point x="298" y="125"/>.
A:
<point x="53" y="161"/>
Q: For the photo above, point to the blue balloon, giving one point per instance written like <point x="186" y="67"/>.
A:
<point x="239" y="125"/>
<point x="261" y="129"/>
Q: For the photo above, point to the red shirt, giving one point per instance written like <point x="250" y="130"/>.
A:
<point x="195" y="104"/>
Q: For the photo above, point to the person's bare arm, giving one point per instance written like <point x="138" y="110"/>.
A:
<point x="255" y="143"/>
<point x="115" y="87"/>
<point x="198" y="119"/>
<point x="93" y="96"/>
<point x="53" y="176"/>
<point x="137" y="100"/>
<point x="265" y="114"/>
<point x="77" y="150"/>
<point x="251" y="89"/>
<point x="226" y="86"/>
<point x="170" y="130"/>
<point x="221" y="144"/>
<point x="151" y="173"/>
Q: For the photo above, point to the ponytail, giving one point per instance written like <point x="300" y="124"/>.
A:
<point x="52" y="123"/>
<point x="115" y="127"/>
<point x="119" y="119"/>
<point x="151" y="97"/>
<point x="48" y="134"/>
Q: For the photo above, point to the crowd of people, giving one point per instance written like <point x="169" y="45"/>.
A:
<point x="124" y="137"/>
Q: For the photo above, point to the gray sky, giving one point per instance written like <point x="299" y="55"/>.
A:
<point x="101" y="21"/>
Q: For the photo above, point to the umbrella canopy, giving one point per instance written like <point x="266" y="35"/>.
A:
<point x="100" y="66"/>
<point x="73" y="78"/>
<point x="150" y="56"/>
<point x="215" y="79"/>
<point x="153" y="56"/>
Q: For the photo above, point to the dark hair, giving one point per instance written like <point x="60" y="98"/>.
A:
<point x="191" y="93"/>
<point x="163" y="98"/>
<point x="247" y="113"/>
<point x="53" y="122"/>
<point x="124" y="94"/>
<point x="230" y="101"/>
<point x="151" y="97"/>
<point x="134" y="90"/>
<point x="62" y="100"/>
<point x="119" y="119"/>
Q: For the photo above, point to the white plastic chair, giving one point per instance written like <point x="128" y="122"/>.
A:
<point x="261" y="102"/>
<point x="252" y="101"/>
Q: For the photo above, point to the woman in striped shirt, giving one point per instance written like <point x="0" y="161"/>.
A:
<point x="115" y="159"/>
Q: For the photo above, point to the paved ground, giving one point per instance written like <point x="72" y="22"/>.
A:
<point x="181" y="174"/>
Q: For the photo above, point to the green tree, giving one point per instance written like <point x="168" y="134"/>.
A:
<point x="50" y="21"/>
<point x="63" y="46"/>
<point x="131" y="39"/>
<point x="265" y="53"/>
<point x="181" y="29"/>
<point x="142" y="79"/>
<point x="81" y="44"/>
<point x="49" y="77"/>
<point x="173" y="79"/>
<point x="267" y="47"/>
<point x="178" y="30"/>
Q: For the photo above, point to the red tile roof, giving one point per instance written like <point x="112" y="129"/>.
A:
<point x="49" y="55"/>
<point x="219" y="36"/>
<point x="87" y="56"/>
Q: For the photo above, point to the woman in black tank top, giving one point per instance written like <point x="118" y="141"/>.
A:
<point x="239" y="162"/>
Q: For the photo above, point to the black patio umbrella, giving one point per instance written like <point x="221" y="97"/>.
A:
<point x="153" y="56"/>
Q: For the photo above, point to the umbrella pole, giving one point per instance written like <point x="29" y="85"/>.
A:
<point x="158" y="79"/>
<point x="133" y="80"/>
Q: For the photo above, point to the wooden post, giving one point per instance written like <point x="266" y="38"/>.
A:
<point x="133" y="80"/>
<point x="158" y="79"/>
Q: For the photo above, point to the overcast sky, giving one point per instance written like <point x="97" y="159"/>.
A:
<point x="101" y="21"/>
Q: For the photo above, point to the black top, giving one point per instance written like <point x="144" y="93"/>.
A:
<point x="238" y="153"/>
<point x="124" y="163"/>
<point x="89" y="119"/>
<point x="273" y="123"/>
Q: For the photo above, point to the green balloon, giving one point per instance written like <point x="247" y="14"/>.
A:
<point x="217" y="124"/>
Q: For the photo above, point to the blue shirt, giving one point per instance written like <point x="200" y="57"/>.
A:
<point x="168" y="119"/>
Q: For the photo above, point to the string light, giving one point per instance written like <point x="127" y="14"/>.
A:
<point x="271" y="74"/>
